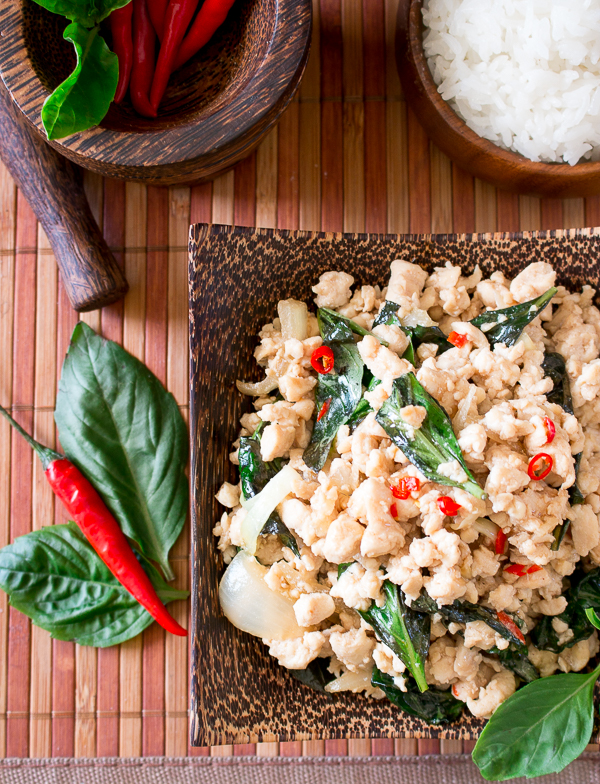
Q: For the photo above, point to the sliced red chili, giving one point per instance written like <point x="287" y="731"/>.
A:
<point x="500" y="542"/>
<point x="540" y="466"/>
<point x="534" y="568"/>
<point x="457" y="339"/>
<point x="394" y="511"/>
<point x="406" y="486"/>
<point x="324" y="408"/>
<point x="454" y="690"/>
<point x="518" y="569"/>
<point x="512" y="627"/>
<point x="322" y="360"/>
<point x="550" y="430"/>
<point x="448" y="505"/>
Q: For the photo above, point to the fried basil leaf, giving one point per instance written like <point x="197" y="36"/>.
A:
<point x="419" y="335"/>
<point x="388" y="315"/>
<point x="466" y="612"/>
<point x="335" y="327"/>
<point x="364" y="407"/>
<point x="555" y="368"/>
<point x="316" y="676"/>
<point x="576" y="497"/>
<point x="517" y="660"/>
<point x="433" y="706"/>
<point x="403" y="630"/>
<point x="559" y="534"/>
<point x="433" y="443"/>
<point x="583" y="594"/>
<point x="506" y="325"/>
<point x="254" y="475"/>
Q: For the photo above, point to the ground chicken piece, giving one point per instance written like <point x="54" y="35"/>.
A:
<point x="294" y="388"/>
<point x="503" y="598"/>
<point x="576" y="657"/>
<point x="495" y="293"/>
<point x="297" y="654"/>
<point x="353" y="648"/>
<point x="584" y="528"/>
<point x="545" y="661"/>
<point x="508" y="471"/>
<point x="473" y="334"/>
<point x="342" y="542"/>
<point x="473" y="441"/>
<point x="485" y="563"/>
<point x="333" y="289"/>
<point x="406" y="284"/>
<point x="395" y="337"/>
<point x="577" y="341"/>
<point x="403" y="571"/>
<point x="466" y="661"/>
<point x="494" y="371"/>
<point x="355" y="682"/>
<point x="297" y="516"/>
<point x="587" y="385"/>
<point x="383" y="363"/>
<point x="414" y="416"/>
<point x="313" y="608"/>
<point x="502" y="685"/>
<point x="554" y="606"/>
<point x="479" y="634"/>
<point x="501" y="420"/>
<point x="228" y="495"/>
<point x="439" y="666"/>
<point x="386" y="661"/>
<point x="370" y="503"/>
<point x="535" y="279"/>
<point x="445" y="585"/>
<point x="358" y="587"/>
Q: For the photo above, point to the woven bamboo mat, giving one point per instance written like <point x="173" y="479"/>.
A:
<point x="347" y="156"/>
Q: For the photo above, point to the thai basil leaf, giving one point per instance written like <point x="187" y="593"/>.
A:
<point x="343" y="387"/>
<point x="55" y="577"/>
<point x="518" y="661"/>
<point x="419" y="335"/>
<point x="554" y="367"/>
<point x="83" y="99"/>
<point x="87" y="12"/>
<point x="433" y="706"/>
<point x="254" y="475"/>
<point x="576" y="497"/>
<point x="466" y="612"/>
<point x="119" y="425"/>
<point x="316" y="676"/>
<point x="335" y="327"/>
<point x="584" y="593"/>
<point x="388" y="315"/>
<point x="559" y="534"/>
<point x="539" y="729"/>
<point x="508" y="324"/>
<point x="364" y="407"/>
<point x="433" y="443"/>
<point x="342" y="568"/>
<point x="403" y="630"/>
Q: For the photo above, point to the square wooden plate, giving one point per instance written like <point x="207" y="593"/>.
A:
<point x="239" y="694"/>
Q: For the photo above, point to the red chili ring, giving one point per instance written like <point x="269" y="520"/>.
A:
<point x="406" y="486"/>
<point x="322" y="360"/>
<point x="533" y="463"/>
<point x="550" y="430"/>
<point x="448" y="505"/>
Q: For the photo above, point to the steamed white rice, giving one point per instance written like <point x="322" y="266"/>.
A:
<point x="524" y="74"/>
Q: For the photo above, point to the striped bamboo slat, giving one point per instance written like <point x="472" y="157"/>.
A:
<point x="348" y="155"/>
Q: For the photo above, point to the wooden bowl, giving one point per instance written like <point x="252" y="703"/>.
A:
<point x="216" y="109"/>
<point x="451" y="134"/>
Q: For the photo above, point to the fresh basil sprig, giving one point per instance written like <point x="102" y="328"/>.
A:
<point x="119" y="425"/>
<point x="506" y="325"/>
<point x="433" y="706"/>
<point x="539" y="729"/>
<point x="433" y="443"/>
<point x="55" y="577"/>
<point x="254" y="475"/>
<point x="403" y="630"/>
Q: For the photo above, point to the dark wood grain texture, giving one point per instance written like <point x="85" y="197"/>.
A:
<point x="237" y="276"/>
<point x="52" y="186"/>
<point x="480" y="157"/>
<point x="216" y="109"/>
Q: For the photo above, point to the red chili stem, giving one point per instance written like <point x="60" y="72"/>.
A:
<point x="157" y="10"/>
<point x="144" y="40"/>
<point x="177" y="19"/>
<point x="100" y="528"/>
<point x="210" y="17"/>
<point x="122" y="35"/>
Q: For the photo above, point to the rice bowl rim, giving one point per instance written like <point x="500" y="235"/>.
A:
<point x="482" y="158"/>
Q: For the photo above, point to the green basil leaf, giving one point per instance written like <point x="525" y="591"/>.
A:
<point x="419" y="335"/>
<point x="506" y="325"/>
<point x="539" y="729"/>
<point x="433" y="443"/>
<point x="83" y="99"/>
<point x="433" y="706"/>
<point x="342" y="387"/>
<point x="87" y="12"/>
<point x="120" y="426"/>
<point x="388" y="315"/>
<point x="559" y="534"/>
<point x="316" y="676"/>
<point x="342" y="568"/>
<point x="403" y="630"/>
<point x="555" y="368"/>
<point x="55" y="577"/>
<point x="335" y="327"/>
<point x="593" y="618"/>
<point x="517" y="660"/>
<point x="576" y="497"/>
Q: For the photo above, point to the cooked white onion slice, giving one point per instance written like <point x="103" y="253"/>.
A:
<point x="251" y="605"/>
<point x="486" y="527"/>
<point x="257" y="388"/>
<point x="350" y="681"/>
<point x="260" y="507"/>
<point x="293" y="316"/>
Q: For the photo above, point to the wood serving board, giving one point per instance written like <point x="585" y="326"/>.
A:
<point x="239" y="694"/>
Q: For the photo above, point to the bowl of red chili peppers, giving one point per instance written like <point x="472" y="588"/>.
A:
<point x="164" y="91"/>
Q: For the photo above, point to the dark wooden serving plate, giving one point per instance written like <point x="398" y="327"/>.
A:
<point x="452" y="135"/>
<point x="217" y="107"/>
<point x="239" y="694"/>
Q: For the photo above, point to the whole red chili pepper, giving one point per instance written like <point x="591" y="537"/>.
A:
<point x="177" y="19"/>
<point x="210" y="17"/>
<point x="157" y="10"/>
<point x="120" y="25"/>
<point x="100" y="528"/>
<point x="144" y="39"/>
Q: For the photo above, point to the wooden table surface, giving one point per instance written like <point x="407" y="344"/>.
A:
<point x="348" y="155"/>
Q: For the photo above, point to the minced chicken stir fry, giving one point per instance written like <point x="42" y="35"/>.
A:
<point x="417" y="516"/>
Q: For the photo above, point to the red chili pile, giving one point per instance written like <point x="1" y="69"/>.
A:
<point x="138" y="26"/>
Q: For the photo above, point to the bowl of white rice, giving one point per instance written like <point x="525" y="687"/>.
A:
<point x="508" y="89"/>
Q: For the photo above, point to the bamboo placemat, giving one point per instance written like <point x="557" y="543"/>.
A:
<point x="347" y="156"/>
